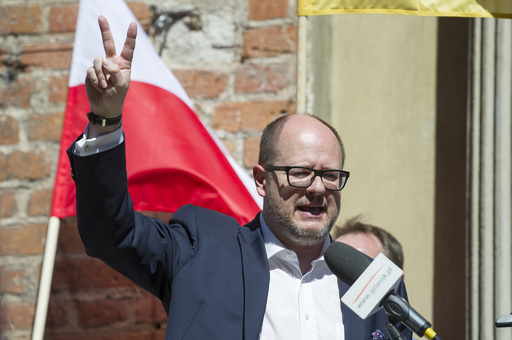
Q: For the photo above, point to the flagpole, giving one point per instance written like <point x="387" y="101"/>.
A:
<point x="301" y="64"/>
<point x="43" y="296"/>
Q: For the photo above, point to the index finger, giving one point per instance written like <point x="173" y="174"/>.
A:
<point x="106" y="35"/>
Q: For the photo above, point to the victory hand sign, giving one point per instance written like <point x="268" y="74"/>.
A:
<point x="108" y="80"/>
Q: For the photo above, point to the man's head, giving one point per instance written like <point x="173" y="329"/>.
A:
<point x="269" y="151"/>
<point x="300" y="216"/>
<point x="370" y="240"/>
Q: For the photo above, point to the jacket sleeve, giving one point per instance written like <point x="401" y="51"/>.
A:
<point x="144" y="249"/>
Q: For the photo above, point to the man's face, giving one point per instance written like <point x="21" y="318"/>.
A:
<point x="303" y="216"/>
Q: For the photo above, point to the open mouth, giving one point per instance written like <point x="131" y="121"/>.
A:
<point x="312" y="210"/>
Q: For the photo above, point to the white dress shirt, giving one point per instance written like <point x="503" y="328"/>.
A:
<point x="299" y="306"/>
<point x="86" y="147"/>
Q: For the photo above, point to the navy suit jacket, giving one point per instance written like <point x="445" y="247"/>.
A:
<point x="211" y="275"/>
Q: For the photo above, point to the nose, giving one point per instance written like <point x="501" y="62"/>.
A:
<point x="317" y="187"/>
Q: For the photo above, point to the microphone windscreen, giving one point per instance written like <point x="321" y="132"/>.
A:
<point x="346" y="262"/>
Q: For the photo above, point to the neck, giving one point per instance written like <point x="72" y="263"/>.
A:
<point x="305" y="254"/>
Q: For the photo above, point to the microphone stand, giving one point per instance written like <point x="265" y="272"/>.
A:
<point x="398" y="309"/>
<point x="394" y="333"/>
<point x="504" y="321"/>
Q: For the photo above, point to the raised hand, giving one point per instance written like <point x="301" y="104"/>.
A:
<point x="108" y="80"/>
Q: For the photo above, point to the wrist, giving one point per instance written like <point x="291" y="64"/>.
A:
<point x="104" y="121"/>
<point x="99" y="125"/>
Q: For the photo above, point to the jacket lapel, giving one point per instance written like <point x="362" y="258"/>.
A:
<point x="256" y="277"/>
<point x="353" y="324"/>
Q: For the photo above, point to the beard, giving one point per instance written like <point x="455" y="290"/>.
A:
<point x="291" y="229"/>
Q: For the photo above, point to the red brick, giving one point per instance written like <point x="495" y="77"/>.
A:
<point x="145" y="311"/>
<point x="252" y="78"/>
<point x="9" y="130"/>
<point x="29" y="165"/>
<point x="149" y="310"/>
<point x="16" y="315"/>
<point x="58" y="89"/>
<point x="12" y="280"/>
<point x="160" y="314"/>
<point x="62" y="19"/>
<point x="160" y="334"/>
<point x="17" y="94"/>
<point x="230" y="146"/>
<point x="48" y="55"/>
<point x="251" y="151"/>
<point x="8" y="203"/>
<point x="22" y="240"/>
<point x="142" y="13"/>
<point x="227" y="116"/>
<point x="258" y="114"/>
<point x="40" y="202"/>
<point x="102" y="312"/>
<point x="269" y="41"/>
<point x="241" y="116"/>
<point x="202" y="84"/>
<point x="45" y="127"/>
<point x="20" y="19"/>
<point x="267" y="9"/>
<point x="86" y="273"/>
<point x="69" y="240"/>
<point x="57" y="314"/>
<point x="3" y="166"/>
<point x="4" y="54"/>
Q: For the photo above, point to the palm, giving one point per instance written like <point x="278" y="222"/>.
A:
<point x="112" y="96"/>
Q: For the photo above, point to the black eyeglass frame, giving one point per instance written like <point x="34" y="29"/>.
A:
<point x="315" y="172"/>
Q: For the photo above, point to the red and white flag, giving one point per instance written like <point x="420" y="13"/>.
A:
<point x="172" y="157"/>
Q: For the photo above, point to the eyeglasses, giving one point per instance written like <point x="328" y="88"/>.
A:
<point x="301" y="177"/>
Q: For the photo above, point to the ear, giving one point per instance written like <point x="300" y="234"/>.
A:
<point x="259" y="175"/>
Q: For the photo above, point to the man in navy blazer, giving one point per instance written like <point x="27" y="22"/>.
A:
<point x="217" y="280"/>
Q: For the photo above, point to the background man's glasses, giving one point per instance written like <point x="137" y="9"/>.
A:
<point x="302" y="177"/>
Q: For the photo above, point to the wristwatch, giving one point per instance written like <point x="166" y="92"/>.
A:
<point x="101" y="121"/>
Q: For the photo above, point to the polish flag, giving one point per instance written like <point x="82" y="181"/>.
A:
<point x="172" y="157"/>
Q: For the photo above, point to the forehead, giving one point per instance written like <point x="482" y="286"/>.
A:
<point x="306" y="141"/>
<point x="366" y="243"/>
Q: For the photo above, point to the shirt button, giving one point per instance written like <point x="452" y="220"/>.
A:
<point x="307" y="316"/>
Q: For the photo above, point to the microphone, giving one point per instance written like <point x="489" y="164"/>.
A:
<point x="372" y="287"/>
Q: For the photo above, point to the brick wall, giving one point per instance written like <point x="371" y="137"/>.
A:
<point x="236" y="60"/>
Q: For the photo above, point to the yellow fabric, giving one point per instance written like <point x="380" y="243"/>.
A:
<point x="453" y="8"/>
